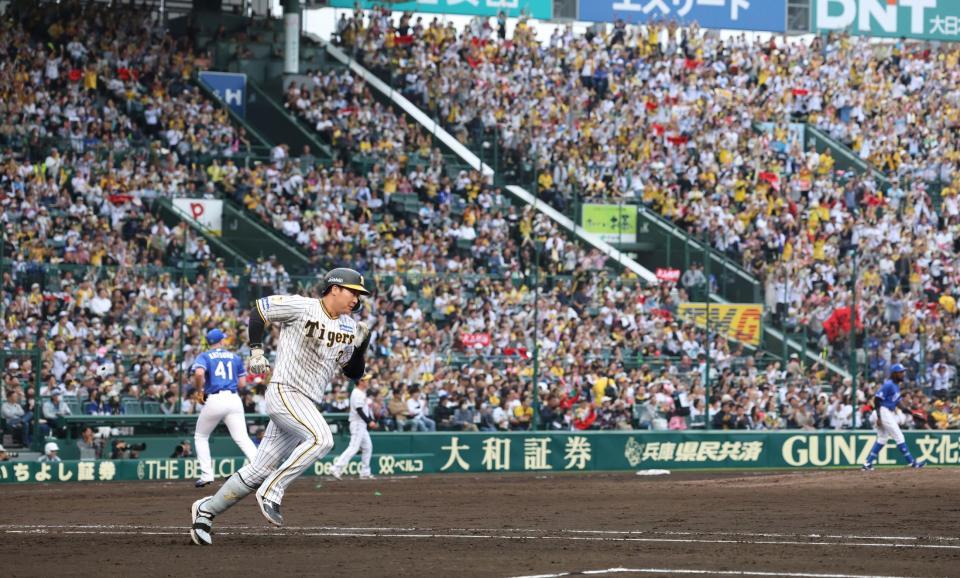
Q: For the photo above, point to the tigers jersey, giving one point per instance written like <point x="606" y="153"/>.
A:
<point x="313" y="346"/>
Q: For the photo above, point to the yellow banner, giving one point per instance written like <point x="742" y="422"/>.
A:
<point x="742" y="322"/>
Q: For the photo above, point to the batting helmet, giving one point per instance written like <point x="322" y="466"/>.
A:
<point x="343" y="277"/>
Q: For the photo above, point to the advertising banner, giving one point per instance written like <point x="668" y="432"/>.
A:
<point x="612" y="223"/>
<point x="229" y="87"/>
<point x="671" y="275"/>
<point x="208" y="213"/>
<point x="920" y="19"/>
<point x="759" y="15"/>
<point x="445" y="452"/>
<point x="542" y="9"/>
<point x="742" y="322"/>
<point x="475" y="339"/>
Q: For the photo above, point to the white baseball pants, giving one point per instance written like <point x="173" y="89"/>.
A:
<point x="221" y="406"/>
<point x="359" y="441"/>
<point x="297" y="435"/>
<point x="887" y="427"/>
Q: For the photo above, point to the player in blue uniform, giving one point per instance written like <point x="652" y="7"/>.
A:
<point x="886" y="401"/>
<point x="216" y="374"/>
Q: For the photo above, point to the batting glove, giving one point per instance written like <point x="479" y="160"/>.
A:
<point x="363" y="330"/>
<point x="257" y="363"/>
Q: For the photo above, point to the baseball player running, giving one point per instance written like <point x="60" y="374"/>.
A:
<point x="317" y="338"/>
<point x="885" y="404"/>
<point x="360" y="419"/>
<point x="216" y="374"/>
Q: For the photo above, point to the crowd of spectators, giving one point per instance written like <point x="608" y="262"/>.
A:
<point x="614" y="354"/>
<point x="668" y="117"/>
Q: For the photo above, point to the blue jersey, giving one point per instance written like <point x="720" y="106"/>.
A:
<point x="222" y="370"/>
<point x="889" y="394"/>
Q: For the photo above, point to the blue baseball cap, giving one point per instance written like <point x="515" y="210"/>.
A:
<point x="897" y="367"/>
<point x="215" y="336"/>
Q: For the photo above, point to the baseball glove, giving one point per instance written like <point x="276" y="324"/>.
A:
<point x="257" y="362"/>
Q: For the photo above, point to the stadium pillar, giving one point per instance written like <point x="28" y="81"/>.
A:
<point x="3" y="253"/>
<point x="38" y="440"/>
<point x="535" y="394"/>
<point x="852" y="339"/>
<point x="706" y="375"/>
<point x="291" y="36"/>
<point x="183" y="318"/>
<point x="496" y="153"/>
<point x="922" y="377"/>
<point x="786" y="313"/>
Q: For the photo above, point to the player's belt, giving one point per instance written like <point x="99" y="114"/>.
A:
<point x="222" y="391"/>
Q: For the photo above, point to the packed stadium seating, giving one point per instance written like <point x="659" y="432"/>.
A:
<point x="95" y="278"/>
<point x="704" y="156"/>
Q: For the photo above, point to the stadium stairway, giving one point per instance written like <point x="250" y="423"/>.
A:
<point x="272" y="120"/>
<point x="250" y="238"/>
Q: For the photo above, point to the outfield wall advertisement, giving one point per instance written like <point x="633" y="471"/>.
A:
<point x="413" y="454"/>
<point x="920" y="19"/>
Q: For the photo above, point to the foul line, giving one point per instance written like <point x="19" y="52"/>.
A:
<point x="711" y="572"/>
<point x="498" y="531"/>
<point x="474" y="534"/>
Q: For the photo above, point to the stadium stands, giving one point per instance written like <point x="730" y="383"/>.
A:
<point x="96" y="277"/>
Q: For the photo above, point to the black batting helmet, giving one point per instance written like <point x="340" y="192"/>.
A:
<point x="343" y="277"/>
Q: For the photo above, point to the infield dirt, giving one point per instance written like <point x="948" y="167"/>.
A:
<point x="891" y="522"/>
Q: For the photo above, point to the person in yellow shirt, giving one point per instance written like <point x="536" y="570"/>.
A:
<point x="826" y="163"/>
<point x="522" y="416"/>
<point x="600" y="386"/>
<point x="939" y="415"/>
<point x="948" y="303"/>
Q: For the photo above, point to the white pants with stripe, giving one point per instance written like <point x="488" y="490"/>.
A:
<point x="222" y="406"/>
<point x="296" y="437"/>
<point x="359" y="441"/>
<point x="887" y="427"/>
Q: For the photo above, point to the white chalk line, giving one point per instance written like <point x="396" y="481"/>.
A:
<point x="335" y="532"/>
<point x="508" y="530"/>
<point x="710" y="572"/>
<point x="504" y="531"/>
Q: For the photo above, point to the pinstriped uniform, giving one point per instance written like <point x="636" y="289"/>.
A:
<point x="312" y="348"/>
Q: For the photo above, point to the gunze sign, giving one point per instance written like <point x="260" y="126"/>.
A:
<point x="445" y="452"/>
<point x="921" y="19"/>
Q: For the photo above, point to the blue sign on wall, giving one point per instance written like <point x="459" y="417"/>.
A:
<point x="230" y="88"/>
<point x="759" y="15"/>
